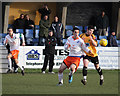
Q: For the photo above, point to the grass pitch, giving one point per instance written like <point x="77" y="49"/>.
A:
<point x="35" y="82"/>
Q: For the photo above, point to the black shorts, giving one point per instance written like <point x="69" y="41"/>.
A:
<point x="92" y="59"/>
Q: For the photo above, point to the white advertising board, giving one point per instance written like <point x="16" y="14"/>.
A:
<point x="33" y="57"/>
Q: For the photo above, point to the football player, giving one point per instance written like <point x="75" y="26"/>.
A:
<point x="14" y="41"/>
<point x="91" y="42"/>
<point x="76" y="46"/>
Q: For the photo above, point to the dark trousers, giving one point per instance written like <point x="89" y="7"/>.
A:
<point x="49" y="57"/>
<point x="59" y="41"/>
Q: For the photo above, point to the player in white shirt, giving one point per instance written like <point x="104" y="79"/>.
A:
<point x="76" y="46"/>
<point x="14" y="41"/>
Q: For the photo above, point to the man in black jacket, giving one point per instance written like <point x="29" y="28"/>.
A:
<point x="102" y="24"/>
<point x="44" y="11"/>
<point x="57" y="28"/>
<point x="29" y="24"/>
<point x="49" y="52"/>
<point x="19" y="23"/>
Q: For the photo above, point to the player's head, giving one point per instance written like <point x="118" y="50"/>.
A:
<point x="75" y="31"/>
<point x="10" y="31"/>
<point x="90" y="30"/>
<point x="50" y="33"/>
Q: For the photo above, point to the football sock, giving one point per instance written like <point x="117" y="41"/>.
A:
<point x="101" y="77"/>
<point x="99" y="70"/>
<point x="21" y="67"/>
<point x="71" y="72"/>
<point x="9" y="63"/>
<point x="60" y="77"/>
<point x="85" y="73"/>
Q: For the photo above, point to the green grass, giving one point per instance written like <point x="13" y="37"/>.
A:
<point x="35" y="82"/>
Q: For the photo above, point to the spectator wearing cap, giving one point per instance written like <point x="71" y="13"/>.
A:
<point x="112" y="40"/>
<point x="50" y="43"/>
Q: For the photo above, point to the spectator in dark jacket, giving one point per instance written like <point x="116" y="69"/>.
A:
<point x="112" y="40"/>
<point x="57" y="28"/>
<point x="29" y="24"/>
<point x="50" y="43"/>
<point x="102" y="24"/>
<point x="44" y="26"/>
<point x="44" y="11"/>
<point x="19" y="23"/>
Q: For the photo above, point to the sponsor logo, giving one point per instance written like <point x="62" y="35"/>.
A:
<point x="33" y="55"/>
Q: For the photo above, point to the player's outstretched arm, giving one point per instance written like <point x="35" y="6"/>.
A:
<point x="23" y="40"/>
<point x="5" y="41"/>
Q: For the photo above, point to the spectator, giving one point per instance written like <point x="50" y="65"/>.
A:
<point x="44" y="11"/>
<point x="29" y="24"/>
<point x="102" y="23"/>
<point x="19" y="23"/>
<point x="112" y="40"/>
<point x="49" y="52"/>
<point x="44" y="26"/>
<point x="57" y="28"/>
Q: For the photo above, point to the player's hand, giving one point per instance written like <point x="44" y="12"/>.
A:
<point x="68" y="45"/>
<point x="14" y="42"/>
<point x="91" y="38"/>
<point x="23" y="44"/>
<point x="90" y="52"/>
<point x="6" y="41"/>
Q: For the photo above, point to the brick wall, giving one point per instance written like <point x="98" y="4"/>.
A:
<point x="85" y="13"/>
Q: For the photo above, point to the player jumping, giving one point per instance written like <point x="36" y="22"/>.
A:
<point x="91" y="42"/>
<point x="76" y="45"/>
<point x="14" y="41"/>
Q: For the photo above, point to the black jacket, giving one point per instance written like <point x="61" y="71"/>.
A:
<point x="112" y="41"/>
<point x="19" y="24"/>
<point x="29" y="22"/>
<point x="44" y="12"/>
<point x="102" y="22"/>
<point x="50" y="44"/>
<point x="57" y="28"/>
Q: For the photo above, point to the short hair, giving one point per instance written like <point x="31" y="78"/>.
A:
<point x="112" y="31"/>
<point x="45" y="4"/>
<point x="9" y="28"/>
<point x="75" y="28"/>
<point x="50" y="31"/>
<point x="55" y="16"/>
<point x="90" y="27"/>
<point x="46" y="15"/>
<point x="21" y="15"/>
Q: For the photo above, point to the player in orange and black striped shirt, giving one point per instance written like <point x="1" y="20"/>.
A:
<point x="91" y="42"/>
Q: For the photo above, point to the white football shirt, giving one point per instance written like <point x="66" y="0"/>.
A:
<point x="14" y="42"/>
<point x="76" y="46"/>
